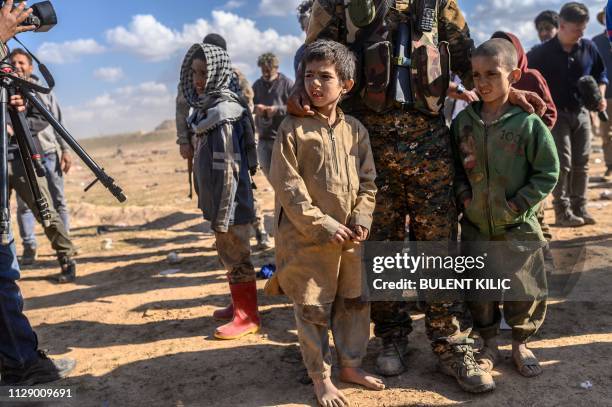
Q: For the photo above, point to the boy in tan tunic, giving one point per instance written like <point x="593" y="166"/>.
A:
<point x="323" y="175"/>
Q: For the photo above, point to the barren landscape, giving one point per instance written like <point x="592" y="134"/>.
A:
<point x="141" y="328"/>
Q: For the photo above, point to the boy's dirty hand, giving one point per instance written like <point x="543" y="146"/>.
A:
<point x="361" y="233"/>
<point x="186" y="151"/>
<point x="342" y="234"/>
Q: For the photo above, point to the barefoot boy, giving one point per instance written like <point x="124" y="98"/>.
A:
<point x="323" y="176"/>
<point x="506" y="163"/>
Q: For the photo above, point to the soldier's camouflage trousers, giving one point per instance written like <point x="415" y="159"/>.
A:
<point x="414" y="164"/>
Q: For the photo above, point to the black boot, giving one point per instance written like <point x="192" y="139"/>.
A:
<point x="68" y="273"/>
<point x="40" y="370"/>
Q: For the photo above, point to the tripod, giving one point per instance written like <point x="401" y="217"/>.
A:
<point x="28" y="153"/>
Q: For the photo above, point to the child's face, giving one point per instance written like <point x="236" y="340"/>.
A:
<point x="323" y="84"/>
<point x="198" y="72"/>
<point x="492" y="79"/>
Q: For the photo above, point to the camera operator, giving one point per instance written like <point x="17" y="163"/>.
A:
<point x="21" y="363"/>
<point x="55" y="163"/>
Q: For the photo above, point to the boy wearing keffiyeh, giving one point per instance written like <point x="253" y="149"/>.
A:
<point x="224" y="155"/>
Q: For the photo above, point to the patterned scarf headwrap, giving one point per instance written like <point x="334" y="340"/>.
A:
<point x="219" y="78"/>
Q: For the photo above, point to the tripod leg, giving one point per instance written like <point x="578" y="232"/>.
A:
<point x="23" y="135"/>
<point x="101" y="176"/>
<point x="4" y="195"/>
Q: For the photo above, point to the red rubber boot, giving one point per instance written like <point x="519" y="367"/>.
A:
<point x="224" y="314"/>
<point x="246" y="317"/>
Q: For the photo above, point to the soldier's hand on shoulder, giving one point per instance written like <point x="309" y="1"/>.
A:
<point x="528" y="101"/>
<point x="298" y="103"/>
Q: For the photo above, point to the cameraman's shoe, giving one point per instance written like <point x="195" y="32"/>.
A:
<point x="565" y="218"/>
<point x="41" y="370"/>
<point x="585" y="215"/>
<point x="29" y="256"/>
<point x="391" y="359"/>
<point x="68" y="273"/>
<point x="460" y="363"/>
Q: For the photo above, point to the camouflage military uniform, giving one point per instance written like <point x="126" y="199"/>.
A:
<point x="413" y="160"/>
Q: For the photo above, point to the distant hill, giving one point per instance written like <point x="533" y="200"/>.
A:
<point x="166" y="125"/>
<point x="164" y="131"/>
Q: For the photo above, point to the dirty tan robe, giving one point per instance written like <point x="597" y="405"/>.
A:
<point x="323" y="176"/>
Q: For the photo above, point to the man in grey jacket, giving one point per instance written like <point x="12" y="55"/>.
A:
<point x="271" y="93"/>
<point x="57" y="161"/>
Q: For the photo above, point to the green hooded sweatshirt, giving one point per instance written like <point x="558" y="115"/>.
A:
<point x="512" y="159"/>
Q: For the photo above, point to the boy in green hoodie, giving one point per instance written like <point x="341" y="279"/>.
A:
<point x="506" y="163"/>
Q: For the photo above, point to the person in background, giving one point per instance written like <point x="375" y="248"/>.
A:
<point x="271" y="94"/>
<point x="56" y="159"/>
<point x="603" y="128"/>
<point x="547" y="25"/>
<point x="562" y="61"/>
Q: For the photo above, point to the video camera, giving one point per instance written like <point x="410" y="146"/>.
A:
<point x="43" y="15"/>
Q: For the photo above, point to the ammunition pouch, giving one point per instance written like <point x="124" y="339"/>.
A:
<point x="376" y="75"/>
<point x="431" y="76"/>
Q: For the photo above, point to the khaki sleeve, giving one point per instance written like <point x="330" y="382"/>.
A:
<point x="366" y="197"/>
<point x="291" y="191"/>
<point x="455" y="31"/>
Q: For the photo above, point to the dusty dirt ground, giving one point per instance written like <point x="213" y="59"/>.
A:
<point x="145" y="339"/>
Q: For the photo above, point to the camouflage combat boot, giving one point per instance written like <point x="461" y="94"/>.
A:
<point x="460" y="363"/>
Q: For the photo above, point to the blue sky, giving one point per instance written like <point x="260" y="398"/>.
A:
<point x="116" y="64"/>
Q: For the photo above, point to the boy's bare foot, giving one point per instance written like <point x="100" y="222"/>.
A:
<point x="328" y="395"/>
<point x="359" y="376"/>
<point x="488" y="356"/>
<point x="524" y="359"/>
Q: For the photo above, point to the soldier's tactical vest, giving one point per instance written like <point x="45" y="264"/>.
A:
<point x="400" y="62"/>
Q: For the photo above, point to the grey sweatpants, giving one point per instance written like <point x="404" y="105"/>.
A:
<point x="349" y="320"/>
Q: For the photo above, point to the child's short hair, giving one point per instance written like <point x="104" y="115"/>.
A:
<point x="547" y="16"/>
<point x="574" y="12"/>
<point x="502" y="49"/>
<point x="334" y="52"/>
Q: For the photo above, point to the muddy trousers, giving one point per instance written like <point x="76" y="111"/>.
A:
<point x="56" y="232"/>
<point x="412" y="153"/>
<point x="349" y="320"/>
<point x="526" y="309"/>
<point x="234" y="249"/>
